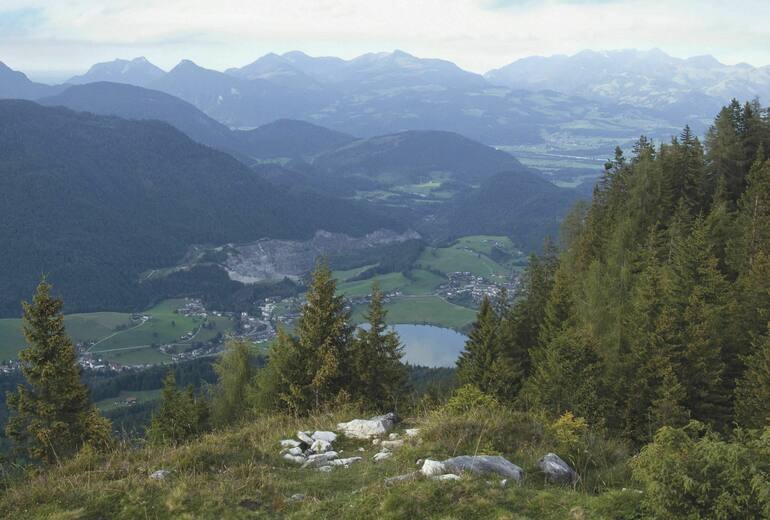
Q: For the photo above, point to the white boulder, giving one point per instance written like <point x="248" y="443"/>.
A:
<point x="368" y="428"/>
<point x="392" y="444"/>
<point x="320" y="459"/>
<point x="289" y="443"/>
<point x="485" y="464"/>
<point x="320" y="446"/>
<point x="298" y="459"/>
<point x="324" y="436"/>
<point x="431" y="468"/>
<point x="295" y="451"/>
<point x="304" y="437"/>
<point x="382" y="456"/>
<point x="556" y="470"/>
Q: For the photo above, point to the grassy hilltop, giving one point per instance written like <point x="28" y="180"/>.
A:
<point x="239" y="473"/>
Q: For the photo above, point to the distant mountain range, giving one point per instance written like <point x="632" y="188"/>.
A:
<point x="650" y="79"/>
<point x="579" y="105"/>
<point x="138" y="72"/>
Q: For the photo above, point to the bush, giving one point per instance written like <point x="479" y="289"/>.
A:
<point x="693" y="473"/>
<point x="469" y="398"/>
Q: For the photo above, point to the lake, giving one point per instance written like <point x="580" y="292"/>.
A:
<point x="430" y="346"/>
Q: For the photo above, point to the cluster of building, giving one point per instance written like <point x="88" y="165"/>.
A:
<point x="193" y="308"/>
<point x="467" y="287"/>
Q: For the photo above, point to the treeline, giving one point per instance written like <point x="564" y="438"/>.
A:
<point x="655" y="309"/>
<point x="103" y="385"/>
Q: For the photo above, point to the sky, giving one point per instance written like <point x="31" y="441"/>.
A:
<point x="50" y="39"/>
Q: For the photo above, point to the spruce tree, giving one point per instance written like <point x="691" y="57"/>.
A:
<point x="311" y="369"/>
<point x="753" y="217"/>
<point x="52" y="416"/>
<point x="567" y="376"/>
<point x="667" y="409"/>
<point x="380" y="376"/>
<point x="231" y="395"/>
<point x="474" y="366"/>
<point x="752" y="401"/>
<point x="180" y="415"/>
<point x="725" y="156"/>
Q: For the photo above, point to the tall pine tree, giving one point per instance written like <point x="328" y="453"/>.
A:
<point x="380" y="378"/>
<point x="52" y="416"/>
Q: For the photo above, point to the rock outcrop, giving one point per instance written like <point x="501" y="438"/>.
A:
<point x="368" y="428"/>
<point x="556" y="470"/>
<point x="485" y="464"/>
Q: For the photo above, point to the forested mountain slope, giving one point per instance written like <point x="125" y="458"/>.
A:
<point x="132" y="102"/>
<point x="518" y="204"/>
<point x="93" y="201"/>
<point x="656" y="310"/>
<point x="414" y="156"/>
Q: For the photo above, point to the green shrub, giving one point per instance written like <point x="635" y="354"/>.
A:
<point x="469" y="398"/>
<point x="693" y="473"/>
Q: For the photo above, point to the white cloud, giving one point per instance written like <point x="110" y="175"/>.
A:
<point x="476" y="34"/>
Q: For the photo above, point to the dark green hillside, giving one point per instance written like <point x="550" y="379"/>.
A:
<point x="522" y="206"/>
<point x="292" y="139"/>
<point x="131" y="102"/>
<point x="417" y="156"/>
<point x="93" y="201"/>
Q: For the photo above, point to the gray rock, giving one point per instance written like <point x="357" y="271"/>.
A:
<point x="304" y="437"/>
<point x="324" y="469"/>
<point x="320" y="446"/>
<point x="297" y="497"/>
<point x="298" y="459"/>
<point x="295" y="451"/>
<point x="556" y="470"/>
<point x="321" y="459"/>
<point x="160" y="474"/>
<point x="289" y="443"/>
<point x="431" y="468"/>
<point x="485" y="464"/>
<point x="368" y="428"/>
<point x="382" y="456"/>
<point x="391" y="445"/>
<point x="324" y="436"/>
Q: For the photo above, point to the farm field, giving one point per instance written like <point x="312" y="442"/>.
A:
<point x="425" y="309"/>
<point x="457" y="258"/>
<point x="119" y="339"/>
<point x="419" y="282"/>
<point x="81" y="327"/>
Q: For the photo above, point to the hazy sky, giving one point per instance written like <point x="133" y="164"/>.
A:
<point x="70" y="35"/>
